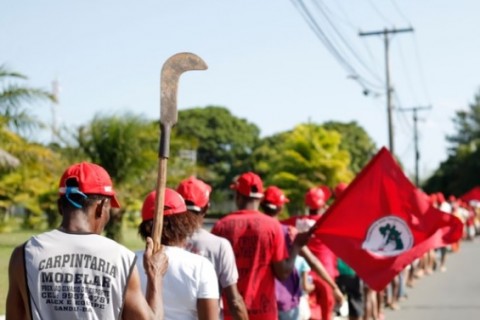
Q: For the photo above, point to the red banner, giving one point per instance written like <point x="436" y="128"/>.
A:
<point x="381" y="223"/>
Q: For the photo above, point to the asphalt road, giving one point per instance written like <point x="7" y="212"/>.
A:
<point x="450" y="295"/>
<point x="454" y="294"/>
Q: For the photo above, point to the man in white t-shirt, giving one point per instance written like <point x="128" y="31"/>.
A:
<point x="75" y="273"/>
<point x="216" y="249"/>
<point x="190" y="283"/>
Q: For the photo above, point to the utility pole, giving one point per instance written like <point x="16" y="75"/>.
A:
<point x="386" y="32"/>
<point x="415" y="137"/>
<point x="55" y="94"/>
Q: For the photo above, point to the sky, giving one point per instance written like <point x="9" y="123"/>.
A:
<point x="269" y="61"/>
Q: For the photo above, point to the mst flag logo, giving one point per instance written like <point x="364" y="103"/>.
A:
<point x="388" y="236"/>
<point x="382" y="222"/>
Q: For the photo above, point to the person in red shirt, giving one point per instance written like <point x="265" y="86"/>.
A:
<point x="288" y="291"/>
<point x="216" y="249"/>
<point x="322" y="301"/>
<point x="259" y="246"/>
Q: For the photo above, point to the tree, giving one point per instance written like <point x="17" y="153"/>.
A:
<point x="266" y="151"/>
<point x="461" y="171"/>
<point x="28" y="184"/>
<point x="356" y="141"/>
<point x="30" y="177"/>
<point x="467" y="125"/>
<point x="125" y="145"/>
<point x="14" y="97"/>
<point x="297" y="160"/>
<point x="458" y="174"/>
<point x="7" y="161"/>
<point x="224" y="143"/>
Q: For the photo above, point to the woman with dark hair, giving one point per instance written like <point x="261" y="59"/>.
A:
<point x="190" y="283"/>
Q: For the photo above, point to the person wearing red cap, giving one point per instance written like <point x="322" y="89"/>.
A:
<point x="75" y="273"/>
<point x="259" y="246"/>
<point x="322" y="299"/>
<point x="218" y="250"/>
<point x="289" y="291"/>
<point x="446" y="207"/>
<point x="347" y="279"/>
<point x="190" y="283"/>
<point x="339" y="189"/>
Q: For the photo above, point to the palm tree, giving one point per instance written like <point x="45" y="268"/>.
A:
<point x="20" y="160"/>
<point x="125" y="145"/>
<point x="14" y="96"/>
<point x="7" y="160"/>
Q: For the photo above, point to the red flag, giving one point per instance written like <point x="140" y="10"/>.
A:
<point x="382" y="223"/>
<point x="472" y="194"/>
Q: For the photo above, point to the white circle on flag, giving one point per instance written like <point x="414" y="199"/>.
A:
<point x="388" y="236"/>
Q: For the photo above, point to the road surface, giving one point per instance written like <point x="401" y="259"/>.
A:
<point x="454" y="294"/>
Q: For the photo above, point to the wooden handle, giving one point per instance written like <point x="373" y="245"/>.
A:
<point x="159" y="204"/>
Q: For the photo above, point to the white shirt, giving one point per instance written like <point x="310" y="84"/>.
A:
<point x="445" y="207"/>
<point x="217" y="250"/>
<point x="76" y="276"/>
<point x="189" y="277"/>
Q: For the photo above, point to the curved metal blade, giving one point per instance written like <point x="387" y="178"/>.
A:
<point x="171" y="71"/>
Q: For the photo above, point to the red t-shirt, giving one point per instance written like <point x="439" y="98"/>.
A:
<point x="257" y="241"/>
<point x="318" y="248"/>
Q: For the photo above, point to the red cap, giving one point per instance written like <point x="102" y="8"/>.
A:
<point x="340" y="188"/>
<point x="91" y="179"/>
<point x="195" y="191"/>
<point x="274" y="197"/>
<point x="433" y="198"/>
<point x="174" y="204"/>
<point x="250" y="185"/>
<point x="315" y="198"/>
<point x="327" y="193"/>
<point x="440" y="197"/>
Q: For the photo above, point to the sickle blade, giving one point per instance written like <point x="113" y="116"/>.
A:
<point x="171" y="71"/>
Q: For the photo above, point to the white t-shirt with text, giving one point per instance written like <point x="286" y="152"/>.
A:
<point x="189" y="277"/>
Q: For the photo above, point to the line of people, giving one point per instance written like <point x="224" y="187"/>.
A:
<point x="250" y="266"/>
<point x="370" y="303"/>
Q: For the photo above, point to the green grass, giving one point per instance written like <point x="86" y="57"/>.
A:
<point x="8" y="242"/>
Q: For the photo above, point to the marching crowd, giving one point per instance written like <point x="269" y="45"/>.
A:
<point x="252" y="265"/>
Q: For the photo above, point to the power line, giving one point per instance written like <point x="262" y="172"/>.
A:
<point x="406" y="150"/>
<point x="319" y="33"/>
<point x="403" y="120"/>
<point x="415" y="137"/>
<point x="420" y="69"/>
<point x="400" y="12"/>
<point x="345" y="42"/>
<point x="379" y="13"/>
<point x="345" y="19"/>
<point x="406" y="72"/>
<point x="322" y="36"/>
<point x="416" y="50"/>
<point x="370" y="53"/>
<point x="386" y="40"/>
